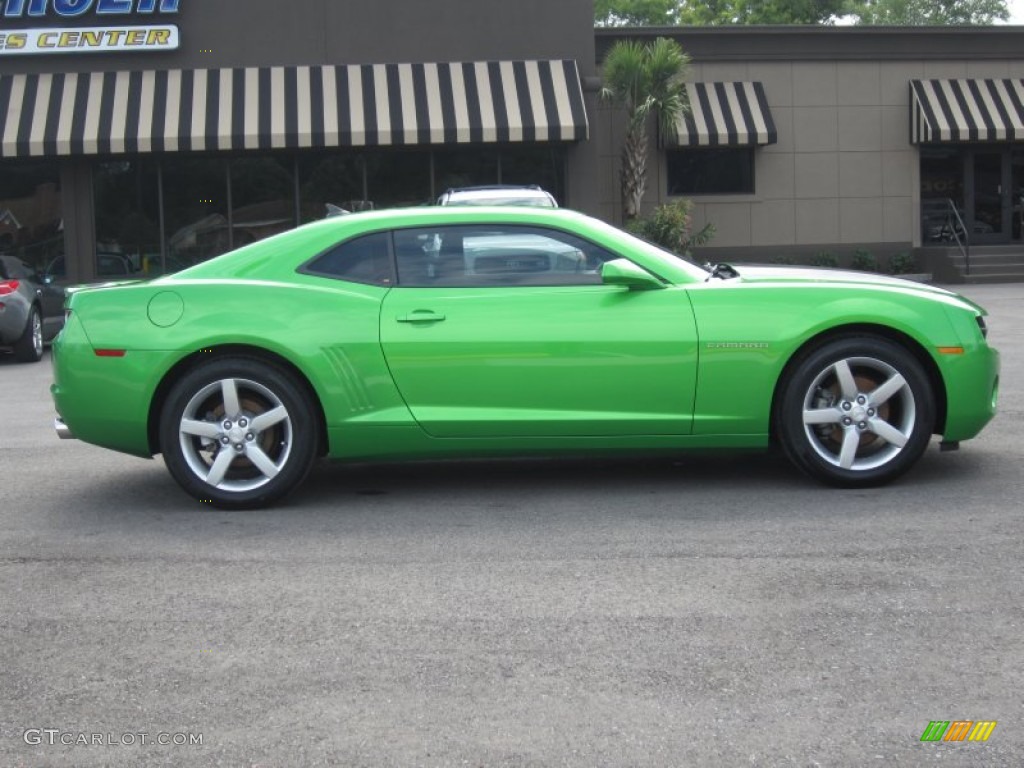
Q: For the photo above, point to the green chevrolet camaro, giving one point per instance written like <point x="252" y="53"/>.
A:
<point x="444" y="332"/>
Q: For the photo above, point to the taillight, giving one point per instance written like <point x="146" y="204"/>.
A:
<point x="8" y="286"/>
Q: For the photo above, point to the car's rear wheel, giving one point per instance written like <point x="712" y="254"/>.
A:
<point x="29" y="346"/>
<point x="238" y="433"/>
<point x="855" y="412"/>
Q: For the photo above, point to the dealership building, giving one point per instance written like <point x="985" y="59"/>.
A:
<point x="152" y="134"/>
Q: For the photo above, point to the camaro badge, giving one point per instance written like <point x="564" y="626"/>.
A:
<point x="737" y="345"/>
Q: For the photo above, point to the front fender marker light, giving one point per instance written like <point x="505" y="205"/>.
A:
<point x="951" y="350"/>
<point x="109" y="352"/>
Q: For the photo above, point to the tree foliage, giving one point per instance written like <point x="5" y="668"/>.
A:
<point x="636" y="13"/>
<point x="924" y="12"/>
<point x="647" y="80"/>
<point x="718" y="12"/>
<point x="658" y="13"/>
<point x="671" y="227"/>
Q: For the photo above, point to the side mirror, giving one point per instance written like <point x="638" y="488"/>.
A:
<point x="625" y="272"/>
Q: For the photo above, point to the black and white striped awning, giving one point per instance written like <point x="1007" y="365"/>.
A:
<point x="290" y="107"/>
<point x="966" y="110"/>
<point x="725" y="114"/>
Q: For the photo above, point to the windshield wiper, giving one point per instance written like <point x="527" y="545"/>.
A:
<point x="722" y="271"/>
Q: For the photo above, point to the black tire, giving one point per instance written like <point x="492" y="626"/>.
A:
<point x="855" y="412"/>
<point x="215" y="445"/>
<point x="29" y="346"/>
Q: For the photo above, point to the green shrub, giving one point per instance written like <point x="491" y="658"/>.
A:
<point x="783" y="258"/>
<point x="864" y="260"/>
<point x="671" y="227"/>
<point x="903" y="264"/>
<point x="824" y="259"/>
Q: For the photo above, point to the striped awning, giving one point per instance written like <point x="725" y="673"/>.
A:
<point x="966" y="110"/>
<point x="290" y="107"/>
<point x="725" y="114"/>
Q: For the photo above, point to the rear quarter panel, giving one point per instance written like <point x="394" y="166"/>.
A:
<point x="328" y="330"/>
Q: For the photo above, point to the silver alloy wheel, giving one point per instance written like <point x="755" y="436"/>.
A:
<point x="235" y="434"/>
<point x="859" y="413"/>
<point x="37" y="334"/>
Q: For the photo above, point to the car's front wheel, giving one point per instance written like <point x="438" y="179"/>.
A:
<point x="29" y="346"/>
<point x="855" y="412"/>
<point x="238" y="433"/>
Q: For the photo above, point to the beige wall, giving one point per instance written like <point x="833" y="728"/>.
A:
<point x="843" y="172"/>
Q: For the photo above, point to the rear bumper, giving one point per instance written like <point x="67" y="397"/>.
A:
<point x="104" y="401"/>
<point x="13" y="317"/>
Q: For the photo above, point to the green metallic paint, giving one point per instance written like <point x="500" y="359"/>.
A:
<point x="507" y="370"/>
<point x="737" y="384"/>
<point x="524" y="361"/>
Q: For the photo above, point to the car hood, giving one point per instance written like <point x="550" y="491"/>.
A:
<point x="764" y="274"/>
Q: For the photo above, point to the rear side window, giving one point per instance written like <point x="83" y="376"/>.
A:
<point x="14" y="269"/>
<point x="365" y="259"/>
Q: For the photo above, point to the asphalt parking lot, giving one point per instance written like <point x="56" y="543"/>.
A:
<point x="702" y="612"/>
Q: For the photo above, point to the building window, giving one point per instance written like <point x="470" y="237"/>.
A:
<point x="126" y="199"/>
<point x="541" y="165"/>
<point x="465" y="167"/>
<point x="162" y="215"/>
<point x="195" y="195"/>
<point x="330" y="180"/>
<point x="398" y="178"/>
<point x="31" y="215"/>
<point x="711" y="171"/>
<point x="262" y="197"/>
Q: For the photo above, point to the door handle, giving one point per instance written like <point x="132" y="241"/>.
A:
<point x="421" y="316"/>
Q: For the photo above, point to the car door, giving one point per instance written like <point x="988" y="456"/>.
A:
<point x="505" y="330"/>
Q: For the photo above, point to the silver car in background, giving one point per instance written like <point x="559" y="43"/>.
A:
<point x="499" y="194"/>
<point x="31" y="309"/>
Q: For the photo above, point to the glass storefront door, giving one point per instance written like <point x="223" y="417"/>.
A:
<point x="1017" y="194"/>
<point x="983" y="184"/>
<point x="989" y="203"/>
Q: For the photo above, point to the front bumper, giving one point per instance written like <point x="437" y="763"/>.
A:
<point x="972" y="392"/>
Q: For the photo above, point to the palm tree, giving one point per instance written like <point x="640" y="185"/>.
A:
<point x="647" y="80"/>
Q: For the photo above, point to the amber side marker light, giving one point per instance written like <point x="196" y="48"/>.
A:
<point x="951" y="350"/>
<point x="109" y="353"/>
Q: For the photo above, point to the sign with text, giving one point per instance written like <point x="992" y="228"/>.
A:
<point x="158" y="37"/>
<point x="45" y="26"/>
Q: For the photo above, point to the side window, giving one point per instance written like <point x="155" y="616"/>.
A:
<point x="496" y="255"/>
<point x="710" y="171"/>
<point x="18" y="270"/>
<point x="365" y="259"/>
